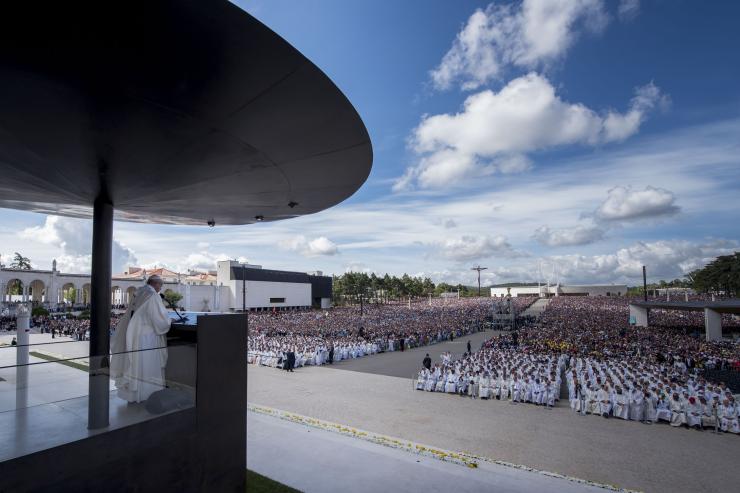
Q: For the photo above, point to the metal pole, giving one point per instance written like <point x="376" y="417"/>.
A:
<point x="644" y="282"/>
<point x="244" y="288"/>
<point x="100" y="305"/>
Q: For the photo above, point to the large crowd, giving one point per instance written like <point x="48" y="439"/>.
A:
<point x="317" y="338"/>
<point x="64" y="325"/>
<point x="611" y="369"/>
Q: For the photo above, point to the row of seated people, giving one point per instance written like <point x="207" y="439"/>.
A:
<point x="499" y="374"/>
<point x="650" y="392"/>
<point x="273" y="353"/>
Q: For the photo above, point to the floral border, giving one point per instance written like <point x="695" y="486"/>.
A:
<point x="461" y="458"/>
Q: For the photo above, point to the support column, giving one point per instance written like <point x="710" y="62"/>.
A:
<point x="712" y="324"/>
<point x="638" y="316"/>
<point x="100" y="306"/>
<point x="23" y="331"/>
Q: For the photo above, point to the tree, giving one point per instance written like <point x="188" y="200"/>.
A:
<point x="70" y="296"/>
<point x="721" y="276"/>
<point x="172" y="298"/>
<point x="20" y="262"/>
<point x="15" y="288"/>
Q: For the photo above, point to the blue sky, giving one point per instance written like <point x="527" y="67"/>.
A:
<point x="588" y="137"/>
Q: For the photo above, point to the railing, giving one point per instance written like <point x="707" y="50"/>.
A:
<point x="44" y="390"/>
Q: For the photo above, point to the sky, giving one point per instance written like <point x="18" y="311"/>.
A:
<point x="552" y="140"/>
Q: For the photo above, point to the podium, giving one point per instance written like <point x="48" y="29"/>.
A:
<point x="199" y="448"/>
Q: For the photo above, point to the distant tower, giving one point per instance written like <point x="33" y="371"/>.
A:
<point x="54" y="265"/>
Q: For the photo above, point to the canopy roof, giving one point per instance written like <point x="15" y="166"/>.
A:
<point x="186" y="111"/>
<point x="721" y="306"/>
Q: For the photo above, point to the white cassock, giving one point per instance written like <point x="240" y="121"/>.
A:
<point x="450" y="385"/>
<point x="693" y="413"/>
<point x="484" y="387"/>
<point x="636" y="405"/>
<point x="604" y="404"/>
<point x="621" y="407"/>
<point x="141" y="337"/>
<point x="678" y="416"/>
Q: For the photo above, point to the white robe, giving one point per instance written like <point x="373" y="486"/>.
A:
<point x="693" y="414"/>
<point x="139" y="372"/>
<point x="621" y="407"/>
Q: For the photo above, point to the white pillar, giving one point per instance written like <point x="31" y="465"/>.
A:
<point x="639" y="316"/>
<point x="713" y="324"/>
<point x="23" y="316"/>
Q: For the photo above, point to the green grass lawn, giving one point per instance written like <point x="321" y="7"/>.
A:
<point x="71" y="364"/>
<point x="257" y="483"/>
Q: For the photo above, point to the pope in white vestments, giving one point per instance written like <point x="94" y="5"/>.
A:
<point x="139" y="346"/>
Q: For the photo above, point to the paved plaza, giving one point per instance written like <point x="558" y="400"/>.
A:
<point x="654" y="458"/>
<point x="406" y="364"/>
<point x="292" y="454"/>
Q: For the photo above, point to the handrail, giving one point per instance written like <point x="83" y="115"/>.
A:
<point x="80" y="357"/>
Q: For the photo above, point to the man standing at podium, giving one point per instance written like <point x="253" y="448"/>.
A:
<point x="139" y="347"/>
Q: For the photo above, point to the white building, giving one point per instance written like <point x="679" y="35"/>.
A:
<point x="215" y="291"/>
<point x="560" y="290"/>
<point x="253" y="287"/>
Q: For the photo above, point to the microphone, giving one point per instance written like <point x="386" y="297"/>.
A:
<point x="173" y="308"/>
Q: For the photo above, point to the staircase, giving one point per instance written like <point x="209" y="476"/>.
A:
<point x="536" y="308"/>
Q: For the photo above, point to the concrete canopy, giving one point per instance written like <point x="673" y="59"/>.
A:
<point x="720" y="306"/>
<point x="185" y="111"/>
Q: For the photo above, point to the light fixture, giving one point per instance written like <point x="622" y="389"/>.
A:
<point x="292" y="204"/>
<point x="259" y="218"/>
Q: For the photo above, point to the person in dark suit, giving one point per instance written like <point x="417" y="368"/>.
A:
<point x="291" y="361"/>
<point x="331" y="354"/>
<point x="427" y="362"/>
<point x="468" y="347"/>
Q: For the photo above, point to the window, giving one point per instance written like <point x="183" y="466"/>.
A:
<point x="277" y="300"/>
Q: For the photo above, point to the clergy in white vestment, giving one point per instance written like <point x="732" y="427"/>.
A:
<point x="678" y="416"/>
<point x="621" y="405"/>
<point x="694" y="410"/>
<point x="604" y="404"/>
<point x="139" y="346"/>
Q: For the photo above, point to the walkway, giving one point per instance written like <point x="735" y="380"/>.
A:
<point x="536" y="308"/>
<point x="407" y="364"/>
<point x="315" y="460"/>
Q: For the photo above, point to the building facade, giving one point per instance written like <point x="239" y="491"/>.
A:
<point x="221" y="290"/>
<point x="561" y="290"/>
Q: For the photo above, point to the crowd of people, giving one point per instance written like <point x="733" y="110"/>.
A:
<point x="56" y="325"/>
<point x="498" y="372"/>
<point x="326" y="337"/>
<point x="611" y="369"/>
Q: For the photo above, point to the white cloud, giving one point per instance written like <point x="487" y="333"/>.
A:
<point x="530" y="35"/>
<point x="468" y="248"/>
<point x="664" y="259"/>
<point x="624" y="203"/>
<point x="578" y="235"/>
<point x="494" y="130"/>
<point x="310" y="248"/>
<point x="74" y="238"/>
<point x="628" y="9"/>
